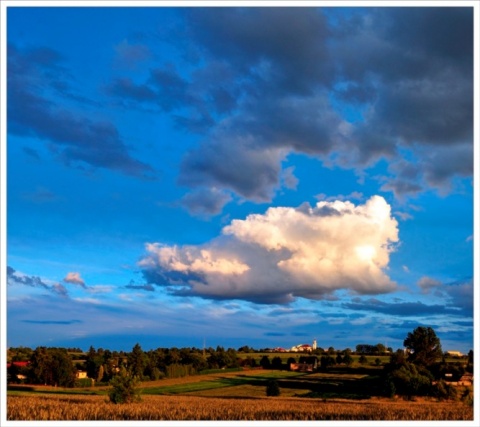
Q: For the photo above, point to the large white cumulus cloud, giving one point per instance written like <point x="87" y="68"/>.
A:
<point x="285" y="253"/>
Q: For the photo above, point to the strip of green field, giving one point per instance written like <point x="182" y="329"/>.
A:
<point x="231" y="381"/>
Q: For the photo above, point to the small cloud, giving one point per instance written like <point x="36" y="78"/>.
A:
<point x="31" y="153"/>
<point x="404" y="216"/>
<point x="289" y="180"/>
<point x="405" y="269"/>
<point x="274" y="334"/>
<point x="469" y="238"/>
<point x="75" y="279"/>
<point x="53" y="322"/>
<point x="427" y="284"/>
<point x="147" y="287"/>
<point x="206" y="201"/>
<point x="129" y="54"/>
<point x="40" y="195"/>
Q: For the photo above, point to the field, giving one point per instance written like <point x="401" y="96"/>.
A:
<point x="348" y="395"/>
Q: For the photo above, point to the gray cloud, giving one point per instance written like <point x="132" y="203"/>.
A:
<point x="205" y="201"/>
<point x="401" y="308"/>
<point x="267" y="82"/>
<point x="53" y="322"/>
<point x="74" y="139"/>
<point x="16" y="278"/>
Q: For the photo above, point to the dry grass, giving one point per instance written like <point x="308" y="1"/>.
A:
<point x="51" y="407"/>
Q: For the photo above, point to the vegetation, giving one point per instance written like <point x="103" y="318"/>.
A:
<point x="272" y="388"/>
<point x="124" y="388"/>
<point x="52" y="407"/>
<point x="423" y="346"/>
<point x="421" y="372"/>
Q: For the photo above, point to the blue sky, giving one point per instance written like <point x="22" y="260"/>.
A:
<point x="243" y="176"/>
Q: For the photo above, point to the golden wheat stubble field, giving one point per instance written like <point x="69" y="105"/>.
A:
<point x="230" y="396"/>
<point x="51" y="407"/>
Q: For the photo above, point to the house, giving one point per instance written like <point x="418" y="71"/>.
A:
<point x="15" y="372"/>
<point x="81" y="374"/>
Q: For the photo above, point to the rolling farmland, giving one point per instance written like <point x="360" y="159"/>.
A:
<point x="236" y="396"/>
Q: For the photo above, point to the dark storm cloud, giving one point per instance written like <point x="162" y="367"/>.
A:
<point x="35" y="78"/>
<point x="268" y="82"/>
<point x="399" y="66"/>
<point x="282" y="47"/>
<point x="400" y="309"/>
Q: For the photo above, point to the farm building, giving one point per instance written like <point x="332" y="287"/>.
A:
<point x="81" y="374"/>
<point x="302" y="348"/>
<point x="305" y="364"/>
<point x="454" y="353"/>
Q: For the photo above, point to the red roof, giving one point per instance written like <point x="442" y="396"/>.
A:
<point x="19" y="364"/>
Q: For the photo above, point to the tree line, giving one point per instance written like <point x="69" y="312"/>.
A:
<point x="418" y="369"/>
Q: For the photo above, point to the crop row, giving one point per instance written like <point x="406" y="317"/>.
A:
<point x="48" y="407"/>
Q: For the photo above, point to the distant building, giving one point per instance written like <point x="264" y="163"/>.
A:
<point x="305" y="364"/>
<point x="81" y="374"/>
<point x="301" y="348"/>
<point x="454" y="353"/>
<point x="314" y="346"/>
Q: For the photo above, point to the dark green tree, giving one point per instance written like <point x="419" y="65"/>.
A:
<point x="273" y="388"/>
<point x="265" y="362"/>
<point x="93" y="362"/>
<point x="52" y="366"/>
<point x="326" y="361"/>
<point x="424" y="346"/>
<point x="347" y="359"/>
<point x="277" y="363"/>
<point x="124" y="388"/>
<point x="136" y="361"/>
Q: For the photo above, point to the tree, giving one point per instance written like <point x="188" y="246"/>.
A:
<point x="136" y="361"/>
<point x="362" y="360"/>
<point x="272" y="388"/>
<point x="52" y="366"/>
<point x="124" y="388"/>
<point x="339" y="358"/>
<point x="347" y="359"/>
<point x="265" y="362"/>
<point x="276" y="363"/>
<point x="326" y="361"/>
<point x="423" y="345"/>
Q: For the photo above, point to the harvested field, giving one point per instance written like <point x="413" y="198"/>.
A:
<point x="54" y="407"/>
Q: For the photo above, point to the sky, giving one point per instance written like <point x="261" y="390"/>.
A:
<point x="262" y="176"/>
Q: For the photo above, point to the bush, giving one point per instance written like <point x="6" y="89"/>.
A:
<point x="272" y="388"/>
<point x="124" y="389"/>
<point x="84" y="382"/>
<point x="467" y="396"/>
